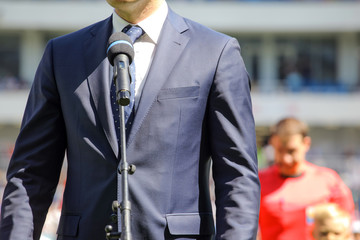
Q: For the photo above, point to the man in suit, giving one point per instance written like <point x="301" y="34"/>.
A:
<point x="192" y="104"/>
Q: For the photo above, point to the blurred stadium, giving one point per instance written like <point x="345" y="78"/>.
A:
<point x="303" y="57"/>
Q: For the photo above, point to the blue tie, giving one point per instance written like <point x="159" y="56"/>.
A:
<point x="134" y="32"/>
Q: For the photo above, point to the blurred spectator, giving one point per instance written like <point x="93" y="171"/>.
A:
<point x="266" y="153"/>
<point x="2" y="182"/>
<point x="294" y="81"/>
<point x="292" y="186"/>
<point x="331" y="223"/>
<point x="51" y="223"/>
<point x="10" y="82"/>
<point x="53" y="217"/>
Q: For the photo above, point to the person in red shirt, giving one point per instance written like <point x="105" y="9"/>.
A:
<point x="293" y="186"/>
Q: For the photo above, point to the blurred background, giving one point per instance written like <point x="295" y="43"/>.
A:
<point x="303" y="57"/>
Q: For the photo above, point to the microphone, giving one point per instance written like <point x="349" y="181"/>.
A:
<point x="120" y="53"/>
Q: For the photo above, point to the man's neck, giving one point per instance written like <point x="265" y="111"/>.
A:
<point x="295" y="175"/>
<point x="135" y="12"/>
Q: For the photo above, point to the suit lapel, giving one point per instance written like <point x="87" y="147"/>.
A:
<point x="97" y="67"/>
<point x="171" y="43"/>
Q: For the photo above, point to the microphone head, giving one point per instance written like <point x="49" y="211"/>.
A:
<point x="119" y="43"/>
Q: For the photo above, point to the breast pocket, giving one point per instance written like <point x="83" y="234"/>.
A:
<point x="178" y="93"/>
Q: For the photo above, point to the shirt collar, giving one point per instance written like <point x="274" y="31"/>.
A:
<point x="152" y="25"/>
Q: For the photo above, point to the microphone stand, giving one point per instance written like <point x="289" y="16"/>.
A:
<point x="124" y="208"/>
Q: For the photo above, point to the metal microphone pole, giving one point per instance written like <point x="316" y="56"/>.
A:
<point x="124" y="170"/>
<point x="124" y="208"/>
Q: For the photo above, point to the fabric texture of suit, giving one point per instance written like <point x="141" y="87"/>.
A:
<point x="195" y="106"/>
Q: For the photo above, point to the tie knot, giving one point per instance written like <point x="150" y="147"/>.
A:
<point x="134" y="32"/>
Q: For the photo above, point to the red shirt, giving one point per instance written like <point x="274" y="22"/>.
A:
<point x="285" y="201"/>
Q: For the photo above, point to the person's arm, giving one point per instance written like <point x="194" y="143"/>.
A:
<point x="233" y="148"/>
<point x="35" y="166"/>
<point x="341" y="194"/>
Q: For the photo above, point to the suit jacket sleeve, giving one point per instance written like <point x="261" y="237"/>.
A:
<point x="35" y="165"/>
<point x="233" y="148"/>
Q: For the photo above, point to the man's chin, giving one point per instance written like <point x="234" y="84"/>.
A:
<point x="288" y="171"/>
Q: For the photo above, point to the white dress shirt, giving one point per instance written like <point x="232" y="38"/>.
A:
<point x="144" y="47"/>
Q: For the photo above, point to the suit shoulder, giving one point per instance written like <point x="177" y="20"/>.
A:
<point x="204" y="31"/>
<point x="195" y="29"/>
<point x="83" y="32"/>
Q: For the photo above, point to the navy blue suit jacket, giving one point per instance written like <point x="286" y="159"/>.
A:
<point x="195" y="106"/>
